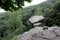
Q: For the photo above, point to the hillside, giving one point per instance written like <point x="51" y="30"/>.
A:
<point x="17" y="22"/>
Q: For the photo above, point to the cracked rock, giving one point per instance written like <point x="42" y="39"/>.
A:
<point x="38" y="33"/>
<point x="57" y="31"/>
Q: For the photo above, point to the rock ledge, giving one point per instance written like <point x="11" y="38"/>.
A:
<point x="37" y="33"/>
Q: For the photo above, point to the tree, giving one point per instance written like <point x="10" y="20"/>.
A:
<point x="12" y="4"/>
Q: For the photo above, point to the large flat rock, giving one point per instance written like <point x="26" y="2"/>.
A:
<point x="34" y="19"/>
<point x="38" y="33"/>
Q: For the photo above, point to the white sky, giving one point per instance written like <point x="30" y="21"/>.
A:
<point x="34" y="2"/>
<point x="1" y="10"/>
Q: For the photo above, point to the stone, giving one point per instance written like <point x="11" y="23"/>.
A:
<point x="38" y="33"/>
<point x="45" y="28"/>
<point x="57" y="31"/>
<point x="34" y="19"/>
<point x="45" y="34"/>
<point x="53" y="27"/>
<point x="37" y="24"/>
<point x="37" y="39"/>
<point x="58" y="38"/>
<point x="48" y="34"/>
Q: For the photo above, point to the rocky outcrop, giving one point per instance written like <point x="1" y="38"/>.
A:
<point x="40" y="32"/>
<point x="37" y="33"/>
<point x="36" y="21"/>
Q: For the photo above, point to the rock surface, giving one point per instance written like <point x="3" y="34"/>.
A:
<point x="38" y="33"/>
<point x="34" y="19"/>
<point x="37" y="24"/>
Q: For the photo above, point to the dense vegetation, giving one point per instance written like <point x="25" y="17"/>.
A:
<point x="16" y="22"/>
<point x="11" y="25"/>
<point x="52" y="16"/>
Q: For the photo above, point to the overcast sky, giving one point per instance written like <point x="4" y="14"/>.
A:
<point x="34" y="2"/>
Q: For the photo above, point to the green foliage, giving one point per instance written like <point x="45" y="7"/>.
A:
<point x="11" y="25"/>
<point x="12" y="4"/>
<point x="56" y="6"/>
<point x="3" y="23"/>
<point x="15" y="23"/>
<point x="18" y="31"/>
<point x="52" y="18"/>
<point x="15" y="38"/>
<point x="39" y="9"/>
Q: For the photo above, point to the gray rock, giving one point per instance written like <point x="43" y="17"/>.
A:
<point x="38" y="33"/>
<point x="34" y="19"/>
<point x="37" y="24"/>
<point x="45" y="28"/>
<point x="37" y="38"/>
<point x="58" y="38"/>
<point x="45" y="34"/>
<point x="48" y="34"/>
<point x="57" y="31"/>
<point x="53" y="27"/>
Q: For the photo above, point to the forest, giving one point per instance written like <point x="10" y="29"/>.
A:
<point x="16" y="22"/>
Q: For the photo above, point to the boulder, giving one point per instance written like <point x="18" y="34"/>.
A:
<point x="38" y="33"/>
<point x="35" y="19"/>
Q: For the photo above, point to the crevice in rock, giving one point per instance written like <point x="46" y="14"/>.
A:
<point x="56" y="34"/>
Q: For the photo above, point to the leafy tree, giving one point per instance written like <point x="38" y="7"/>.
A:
<point x="12" y="4"/>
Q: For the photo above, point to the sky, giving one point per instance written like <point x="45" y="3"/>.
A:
<point x="34" y="2"/>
